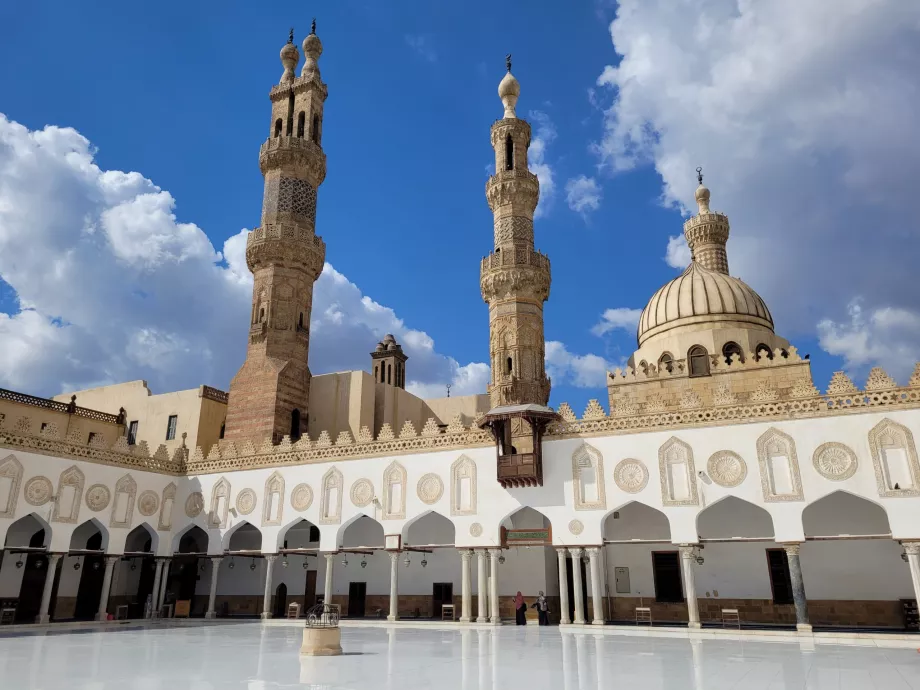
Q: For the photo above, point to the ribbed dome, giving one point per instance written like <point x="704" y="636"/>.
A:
<point x="702" y="296"/>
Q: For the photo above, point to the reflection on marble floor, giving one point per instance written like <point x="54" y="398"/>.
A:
<point x="248" y="655"/>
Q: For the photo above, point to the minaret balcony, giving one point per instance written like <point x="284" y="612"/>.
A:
<point x="285" y="244"/>
<point x="513" y="187"/>
<point x="301" y="152"/>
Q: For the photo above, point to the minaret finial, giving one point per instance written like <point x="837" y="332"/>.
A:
<point x="702" y="194"/>
<point x="291" y="36"/>
<point x="508" y="61"/>
<point x="699" y="175"/>
<point x="313" y="26"/>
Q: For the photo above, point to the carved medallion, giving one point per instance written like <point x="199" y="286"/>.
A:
<point x="430" y="488"/>
<point x="245" y="501"/>
<point x="98" y="497"/>
<point x="475" y="530"/>
<point x="835" y="461"/>
<point x="194" y="504"/>
<point x="148" y="503"/>
<point x="362" y="491"/>
<point x="630" y="475"/>
<point x="301" y="497"/>
<point x="726" y="468"/>
<point x="576" y="527"/>
<point x="38" y="491"/>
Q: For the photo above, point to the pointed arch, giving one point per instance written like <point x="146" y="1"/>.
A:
<point x="731" y="516"/>
<point x="123" y="502"/>
<point x="243" y="536"/>
<point x="361" y="530"/>
<point x="331" y="503"/>
<point x="525" y="517"/>
<point x="139" y="536"/>
<point x="589" y="492"/>
<point x="431" y="527"/>
<point x="780" y="478"/>
<point x="894" y="457"/>
<point x="10" y="479"/>
<point x="191" y="539"/>
<point x="166" y="507"/>
<point x="298" y="533"/>
<point x="22" y="531"/>
<point x="394" y="492"/>
<point x="273" y="500"/>
<point x="69" y="496"/>
<point x="463" y="486"/>
<point x="85" y="531"/>
<point x="636" y="520"/>
<point x="678" y="474"/>
<point x="843" y="512"/>
<point x="220" y="504"/>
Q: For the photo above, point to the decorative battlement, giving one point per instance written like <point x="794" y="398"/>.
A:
<point x="287" y="243"/>
<point x="516" y="187"/>
<point x="501" y="128"/>
<point x="518" y="256"/>
<point x="67" y="408"/>
<point x="298" y="152"/>
<point x="281" y="91"/>
<point x="214" y="394"/>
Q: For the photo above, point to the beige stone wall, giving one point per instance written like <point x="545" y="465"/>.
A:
<point x="341" y="401"/>
<point x="469" y="407"/>
<point x="29" y="419"/>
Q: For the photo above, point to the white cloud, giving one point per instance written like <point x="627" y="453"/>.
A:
<point x="583" y="194"/>
<point x="677" y="255"/>
<point x="809" y="145"/>
<point x="620" y="317"/>
<point x="581" y="371"/>
<point x="423" y="45"/>
<point x="544" y="133"/>
<point x="112" y="287"/>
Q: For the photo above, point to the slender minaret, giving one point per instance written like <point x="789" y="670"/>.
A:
<point x="270" y="393"/>
<point x="707" y="233"/>
<point x="515" y="278"/>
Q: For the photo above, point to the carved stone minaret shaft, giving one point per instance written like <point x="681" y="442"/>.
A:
<point x="270" y="393"/>
<point x="707" y="233"/>
<point x="514" y="278"/>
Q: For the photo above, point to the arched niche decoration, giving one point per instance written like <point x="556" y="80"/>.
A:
<point x="677" y="474"/>
<point x="894" y="456"/>
<point x="10" y="479"/>
<point x="780" y="478"/>
<point x="123" y="502"/>
<point x="69" y="496"/>
<point x="166" y="507"/>
<point x="220" y="504"/>
<point x="588" y="478"/>
<point x="394" y="492"/>
<point x="463" y="492"/>
<point x="331" y="504"/>
<point x="273" y="500"/>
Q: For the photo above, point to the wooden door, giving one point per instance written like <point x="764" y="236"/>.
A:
<point x="357" y="592"/>
<point x="442" y="593"/>
<point x="309" y="592"/>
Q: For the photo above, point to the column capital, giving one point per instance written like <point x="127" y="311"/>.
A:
<point x="562" y="551"/>
<point x="216" y="559"/>
<point x="394" y="556"/>
<point x="495" y="552"/>
<point x="55" y="557"/>
<point x="687" y="550"/>
<point x="791" y="547"/>
<point x="270" y="557"/>
<point x="593" y="550"/>
<point x="112" y="559"/>
<point x="576" y="551"/>
<point x="911" y="548"/>
<point x="466" y="554"/>
<point x="162" y="559"/>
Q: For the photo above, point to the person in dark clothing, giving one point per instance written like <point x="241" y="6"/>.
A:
<point x="542" y="609"/>
<point x="519" y="608"/>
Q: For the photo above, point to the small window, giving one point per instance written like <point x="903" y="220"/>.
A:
<point x="300" y="322"/>
<point x="44" y="426"/>
<point x="389" y="373"/>
<point x="315" y="132"/>
<point x="666" y="362"/>
<point x="730" y="349"/>
<point x="643" y="366"/>
<point x="301" y="122"/>
<point x="132" y="433"/>
<point x="699" y="361"/>
<point x="763" y="351"/>
<point x="509" y="364"/>
<point x="314" y="533"/>
<point x="91" y="438"/>
<point x="295" y="425"/>
<point x="666" y="572"/>
<point x="509" y="153"/>
<point x="223" y="429"/>
<point x="278" y="125"/>
<point x="780" y="580"/>
<point x="171" y="427"/>
<point x="261" y="314"/>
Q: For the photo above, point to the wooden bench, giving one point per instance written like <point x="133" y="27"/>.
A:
<point x="643" y="615"/>
<point x="730" y="617"/>
<point x="447" y="612"/>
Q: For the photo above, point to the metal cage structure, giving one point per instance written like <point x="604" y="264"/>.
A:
<point x="323" y="616"/>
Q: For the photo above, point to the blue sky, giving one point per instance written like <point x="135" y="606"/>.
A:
<point x="179" y="94"/>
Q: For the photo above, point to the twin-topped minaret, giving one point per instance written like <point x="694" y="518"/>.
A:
<point x="269" y="395"/>
<point x="514" y="278"/>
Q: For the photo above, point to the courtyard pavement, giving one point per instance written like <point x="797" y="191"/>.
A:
<point x="253" y="656"/>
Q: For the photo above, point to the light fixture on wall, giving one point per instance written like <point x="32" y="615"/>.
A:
<point x="903" y="557"/>
<point x="133" y="565"/>
<point x="202" y="567"/>
<point x="76" y="566"/>
<point x="345" y="562"/>
<point x="363" y="562"/>
<point x="424" y="562"/>
<point x="700" y="560"/>
<point x="407" y="561"/>
<point x="501" y="559"/>
<point x="19" y="563"/>
<point x="252" y="566"/>
<point x="284" y="562"/>
<point x="232" y="564"/>
<point x="96" y="565"/>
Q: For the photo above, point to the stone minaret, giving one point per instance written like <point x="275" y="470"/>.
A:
<point x="388" y="362"/>
<point x="707" y="233"/>
<point x="514" y="278"/>
<point x="270" y="393"/>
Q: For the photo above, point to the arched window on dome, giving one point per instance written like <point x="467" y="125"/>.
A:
<point x="278" y="125"/>
<point x="301" y="122"/>
<point x="731" y="348"/>
<point x="699" y="361"/>
<point x="666" y="362"/>
<point x="643" y="366"/>
<point x="509" y="153"/>
<point x="763" y="351"/>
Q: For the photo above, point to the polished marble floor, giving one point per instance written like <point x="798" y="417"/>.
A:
<point x="249" y="655"/>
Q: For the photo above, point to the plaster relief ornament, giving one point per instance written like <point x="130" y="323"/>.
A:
<point x="98" y="497"/>
<point x="576" y="527"/>
<point x="430" y="488"/>
<point x="475" y="530"/>
<point x="835" y="461"/>
<point x="301" y="497"/>
<point x="148" y="503"/>
<point x="38" y="491"/>
<point x="245" y="501"/>
<point x="194" y="504"/>
<point x="726" y="468"/>
<point x="630" y="475"/>
<point x="362" y="491"/>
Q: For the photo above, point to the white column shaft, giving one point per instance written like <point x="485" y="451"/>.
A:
<point x="466" y="594"/>
<point x="563" y="588"/>
<point x="327" y="587"/>
<point x="493" y="594"/>
<point x="597" y="596"/>
<point x="267" y="596"/>
<point x="481" y="585"/>
<point x="43" y="616"/>
<point x="577" y="586"/>
<point x="164" y="579"/>
<point x="212" y="596"/>
<point x="110" y="562"/>
<point x="155" y="593"/>
<point x="394" y="586"/>
<point x="687" y="559"/>
<point x="913" y="561"/>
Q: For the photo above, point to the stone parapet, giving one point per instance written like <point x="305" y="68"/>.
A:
<point x="294" y="152"/>
<point x="519" y="188"/>
<point x="515" y="273"/>
<point x="287" y="244"/>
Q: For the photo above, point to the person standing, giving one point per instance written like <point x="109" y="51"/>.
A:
<point x="542" y="609"/>
<point x="519" y="608"/>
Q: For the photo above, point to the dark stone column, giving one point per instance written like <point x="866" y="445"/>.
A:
<point x="798" y="587"/>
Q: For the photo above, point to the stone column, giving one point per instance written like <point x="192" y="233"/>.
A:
<point x="912" y="549"/>
<point x="798" y="587"/>
<point x="466" y="595"/>
<point x="164" y="580"/>
<point x="215" y="567"/>
<point x="267" y="597"/>
<point x="693" y="611"/>
<point x="563" y="589"/>
<point x="394" y="586"/>
<point x="576" y="585"/>
<point x="493" y="593"/>
<point x="327" y="589"/>
<point x="597" y="596"/>
<point x="110" y="562"/>
<point x="155" y="593"/>
<point x="481" y="588"/>
<point x="53" y="559"/>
